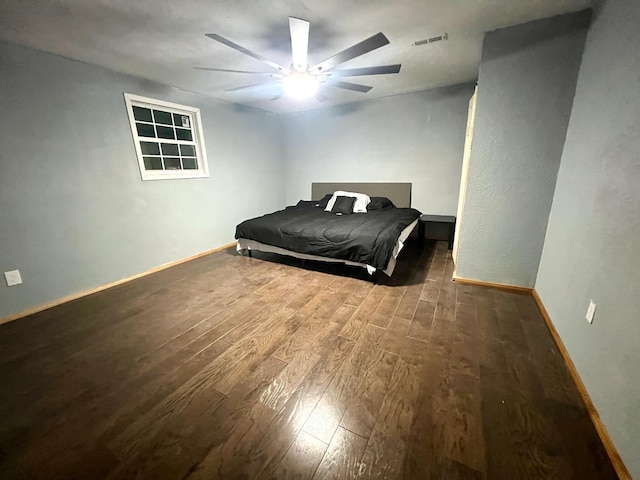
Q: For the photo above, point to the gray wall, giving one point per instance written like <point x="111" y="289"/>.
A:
<point x="525" y="91"/>
<point x="74" y="213"/>
<point x="417" y="137"/>
<point x="592" y="247"/>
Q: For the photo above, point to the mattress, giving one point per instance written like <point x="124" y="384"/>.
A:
<point x="372" y="239"/>
<point x="246" y="244"/>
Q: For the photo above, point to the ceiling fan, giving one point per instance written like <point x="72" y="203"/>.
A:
<point x="301" y="80"/>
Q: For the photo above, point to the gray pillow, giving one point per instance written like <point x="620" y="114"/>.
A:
<point x="380" y="203"/>
<point x="322" y="203"/>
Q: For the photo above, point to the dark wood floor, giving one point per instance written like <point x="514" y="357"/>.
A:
<point x="236" y="367"/>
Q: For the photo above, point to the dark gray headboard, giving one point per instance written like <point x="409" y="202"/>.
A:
<point x="398" y="193"/>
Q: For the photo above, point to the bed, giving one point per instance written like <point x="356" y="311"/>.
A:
<point x="372" y="240"/>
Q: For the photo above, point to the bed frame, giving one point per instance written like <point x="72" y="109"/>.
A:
<point x="398" y="193"/>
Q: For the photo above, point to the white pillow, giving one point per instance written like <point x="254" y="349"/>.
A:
<point x="362" y="200"/>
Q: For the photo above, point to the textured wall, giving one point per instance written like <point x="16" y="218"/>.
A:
<point x="418" y="138"/>
<point x="74" y="213"/>
<point x="592" y="247"/>
<point x="525" y="91"/>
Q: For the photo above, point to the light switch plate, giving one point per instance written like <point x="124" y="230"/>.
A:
<point x="13" y="278"/>
<point x="590" y="311"/>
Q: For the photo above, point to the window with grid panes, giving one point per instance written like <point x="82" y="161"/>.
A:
<point x="168" y="139"/>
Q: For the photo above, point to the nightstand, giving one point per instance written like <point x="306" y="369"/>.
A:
<point x="445" y="219"/>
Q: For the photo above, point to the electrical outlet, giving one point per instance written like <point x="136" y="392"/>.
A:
<point x="13" y="278"/>
<point x="590" y="311"/>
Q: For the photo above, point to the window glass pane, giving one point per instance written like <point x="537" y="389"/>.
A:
<point x="150" y="148"/>
<point x="152" y="163"/>
<point x="167" y="141"/>
<point x="145" y="130"/>
<point x="165" y="132"/>
<point x="183" y="134"/>
<point x="187" y="151"/>
<point x="181" y="120"/>
<point x="189" y="163"/>
<point x="170" y="149"/>
<point x="172" y="163"/>
<point x="162" y="117"/>
<point x="143" y="114"/>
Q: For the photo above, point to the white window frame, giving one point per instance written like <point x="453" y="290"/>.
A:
<point x="202" y="171"/>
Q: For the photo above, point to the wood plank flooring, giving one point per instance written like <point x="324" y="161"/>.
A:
<point x="268" y="367"/>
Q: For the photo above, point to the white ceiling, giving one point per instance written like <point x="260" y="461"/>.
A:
<point x="163" y="40"/>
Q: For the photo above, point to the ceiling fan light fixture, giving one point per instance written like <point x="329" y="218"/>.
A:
<point x="302" y="81"/>
<point x="300" y="86"/>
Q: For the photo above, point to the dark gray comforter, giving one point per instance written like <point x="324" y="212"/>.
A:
<point x="367" y="238"/>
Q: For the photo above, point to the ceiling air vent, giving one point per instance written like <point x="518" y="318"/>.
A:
<point x="437" y="38"/>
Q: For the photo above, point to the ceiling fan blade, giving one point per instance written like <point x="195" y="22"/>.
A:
<point x="253" y="85"/>
<point x="365" y="46"/>
<point x="299" y="30"/>
<point x="235" y="46"/>
<point x="356" y="87"/>
<point x="357" y="72"/>
<point x="236" y="71"/>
